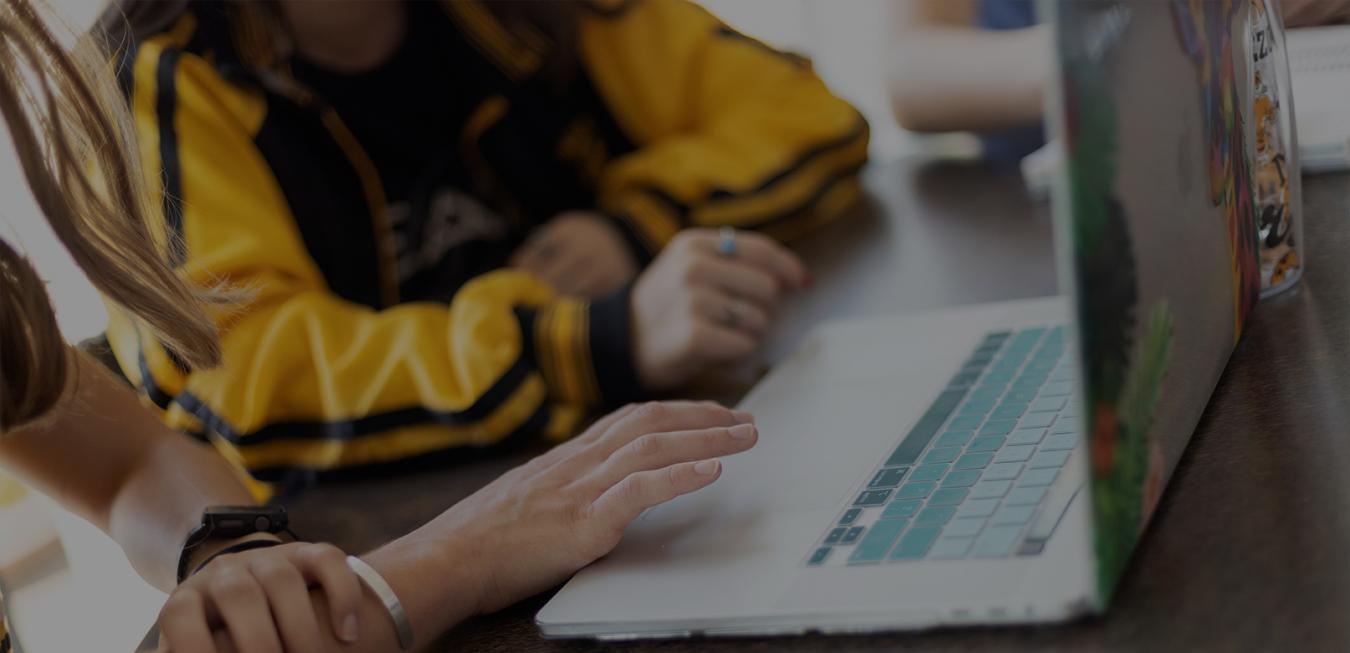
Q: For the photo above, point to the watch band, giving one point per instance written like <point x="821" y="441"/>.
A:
<point x="386" y="594"/>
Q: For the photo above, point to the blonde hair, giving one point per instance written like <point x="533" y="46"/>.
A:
<point x="66" y="116"/>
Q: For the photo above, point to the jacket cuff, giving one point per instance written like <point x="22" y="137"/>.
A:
<point x="584" y="349"/>
<point x="647" y="219"/>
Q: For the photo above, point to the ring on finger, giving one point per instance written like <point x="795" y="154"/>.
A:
<point x="726" y="242"/>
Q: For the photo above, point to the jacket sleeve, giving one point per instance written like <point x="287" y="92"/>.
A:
<point x="728" y="130"/>
<point x="311" y="381"/>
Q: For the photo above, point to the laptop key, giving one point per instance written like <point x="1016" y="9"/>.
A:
<point x="985" y="443"/>
<point x="1057" y="389"/>
<point x="1046" y="459"/>
<point x="1066" y="425"/>
<point x="1036" y="420"/>
<point x="915" y="543"/>
<point x="850" y="516"/>
<point x="878" y="541"/>
<point x="977" y="508"/>
<point x="852" y="535"/>
<point x="872" y="498"/>
<point x="1025" y="496"/>
<point x="1038" y="477"/>
<point x="979" y="406"/>
<point x="915" y="490"/>
<point x="1009" y="410"/>
<point x="961" y="478"/>
<point x="999" y="427"/>
<point x="948" y="496"/>
<point x="1047" y="404"/>
<point x="1026" y="436"/>
<point x="1060" y="442"/>
<point x="996" y="541"/>
<point x="1014" y="454"/>
<point x="965" y="423"/>
<point x="835" y="535"/>
<point x="954" y="439"/>
<point x="974" y="460"/>
<point x="942" y="455"/>
<point x="929" y="472"/>
<point x="934" y="515"/>
<point x="901" y="509"/>
<point x="950" y="548"/>
<point x="818" y="558"/>
<point x="1021" y="394"/>
<point x="1002" y="471"/>
<point x="990" y="489"/>
<point x="1012" y="515"/>
<point x="888" y="477"/>
<point x="918" y="437"/>
<point x="966" y="527"/>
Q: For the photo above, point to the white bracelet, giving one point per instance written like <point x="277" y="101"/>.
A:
<point x="385" y="593"/>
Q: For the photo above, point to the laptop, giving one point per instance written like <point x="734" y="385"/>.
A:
<point x="997" y="463"/>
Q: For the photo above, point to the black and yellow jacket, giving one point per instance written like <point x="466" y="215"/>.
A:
<point x="331" y="363"/>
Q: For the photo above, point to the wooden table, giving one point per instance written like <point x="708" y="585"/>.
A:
<point x="1250" y="549"/>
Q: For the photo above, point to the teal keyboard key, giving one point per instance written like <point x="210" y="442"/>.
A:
<point x="1057" y="389"/>
<point x="1026" y="436"/>
<point x="934" y="515"/>
<point x="1011" y="515"/>
<point x="819" y="556"/>
<point x="1065" y="425"/>
<point x="948" y="496"/>
<point x="901" y="509"/>
<point x="1046" y="459"/>
<point x="1036" y="420"/>
<point x="1014" y="453"/>
<point x="1047" y="403"/>
<point x="996" y="541"/>
<point x="963" y="380"/>
<point x="852" y="535"/>
<point x="974" y="460"/>
<point x="915" y="543"/>
<point x="889" y="477"/>
<point x="985" y="443"/>
<point x="1038" y="477"/>
<point x="835" y="535"/>
<point x="1002" y="471"/>
<point x="872" y="498"/>
<point x="878" y="541"/>
<point x="967" y="527"/>
<point x="954" y="439"/>
<point x="999" y="427"/>
<point x="978" y="407"/>
<point x="966" y="423"/>
<point x="999" y="377"/>
<point x="1025" y="496"/>
<point x="990" y="489"/>
<point x="1060" y="442"/>
<point x="961" y="478"/>
<point x="926" y="428"/>
<point x="915" y="490"/>
<point x="950" y="548"/>
<point x="931" y="472"/>
<point x="1009" y="410"/>
<point x="1021" y="394"/>
<point x="942" y="455"/>
<point x="850" y="516"/>
<point x="977" y="508"/>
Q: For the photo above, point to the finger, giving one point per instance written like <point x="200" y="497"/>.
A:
<point x="571" y="273"/>
<point x="660" y="450"/>
<point x="768" y="255"/>
<point x="327" y="565"/>
<point x="182" y="624"/>
<point x="717" y="343"/>
<point x="731" y="313"/>
<point x="622" y="503"/>
<point x="288" y="596"/>
<point x="242" y="606"/>
<point x="737" y="279"/>
<point x="652" y="417"/>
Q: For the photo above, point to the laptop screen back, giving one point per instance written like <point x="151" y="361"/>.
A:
<point x="1155" y="100"/>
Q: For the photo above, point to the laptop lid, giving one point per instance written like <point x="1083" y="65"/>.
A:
<point x="1156" y="210"/>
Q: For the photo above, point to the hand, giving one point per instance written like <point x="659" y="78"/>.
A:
<point x="579" y="254"/>
<point x="537" y="524"/>
<point x="694" y="307"/>
<point x="261" y="598"/>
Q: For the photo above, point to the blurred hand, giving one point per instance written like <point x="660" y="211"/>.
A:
<point x="537" y="524"/>
<point x="578" y="253"/>
<point x="261" y="599"/>
<point x="694" y="307"/>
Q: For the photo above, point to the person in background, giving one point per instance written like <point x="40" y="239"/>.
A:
<point x="982" y="66"/>
<point x="466" y="223"/>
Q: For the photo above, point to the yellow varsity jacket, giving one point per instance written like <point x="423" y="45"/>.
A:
<point x="333" y="364"/>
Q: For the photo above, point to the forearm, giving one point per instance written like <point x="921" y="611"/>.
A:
<point x="961" y="79"/>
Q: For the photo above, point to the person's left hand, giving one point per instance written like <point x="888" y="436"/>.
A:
<point x="579" y="253"/>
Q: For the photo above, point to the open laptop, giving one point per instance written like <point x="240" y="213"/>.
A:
<point x="997" y="463"/>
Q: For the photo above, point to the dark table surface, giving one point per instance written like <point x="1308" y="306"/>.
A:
<point x="1250" y="548"/>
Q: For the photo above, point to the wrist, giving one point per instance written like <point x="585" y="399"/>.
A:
<point x="458" y="575"/>
<point x="203" y="552"/>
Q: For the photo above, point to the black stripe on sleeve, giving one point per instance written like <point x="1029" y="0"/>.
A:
<point x="157" y="395"/>
<point x="859" y="130"/>
<point x="166" y="104"/>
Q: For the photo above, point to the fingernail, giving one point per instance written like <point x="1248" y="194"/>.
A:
<point x="742" y="431"/>
<point x="743" y="417"/>
<point x="349" y="629"/>
<point x="706" y="468"/>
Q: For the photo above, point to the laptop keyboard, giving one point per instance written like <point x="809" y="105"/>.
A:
<point x="969" y="478"/>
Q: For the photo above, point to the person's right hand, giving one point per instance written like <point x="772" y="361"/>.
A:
<point x="694" y="307"/>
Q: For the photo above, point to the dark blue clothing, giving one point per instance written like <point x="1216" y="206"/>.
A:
<point x="1008" y="146"/>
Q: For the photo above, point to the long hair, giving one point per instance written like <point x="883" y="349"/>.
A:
<point x="75" y="144"/>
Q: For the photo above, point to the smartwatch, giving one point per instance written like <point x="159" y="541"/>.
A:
<point x="231" y="522"/>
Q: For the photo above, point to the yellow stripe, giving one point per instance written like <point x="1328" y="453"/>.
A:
<point x="565" y="349"/>
<point x="585" y="360"/>
<point x="654" y="223"/>
<point x="837" y="200"/>
<point x="513" y="57"/>
<point x="487" y="114"/>
<point x="374" y="191"/>
<point x="402" y="443"/>
<point x="794" y="190"/>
